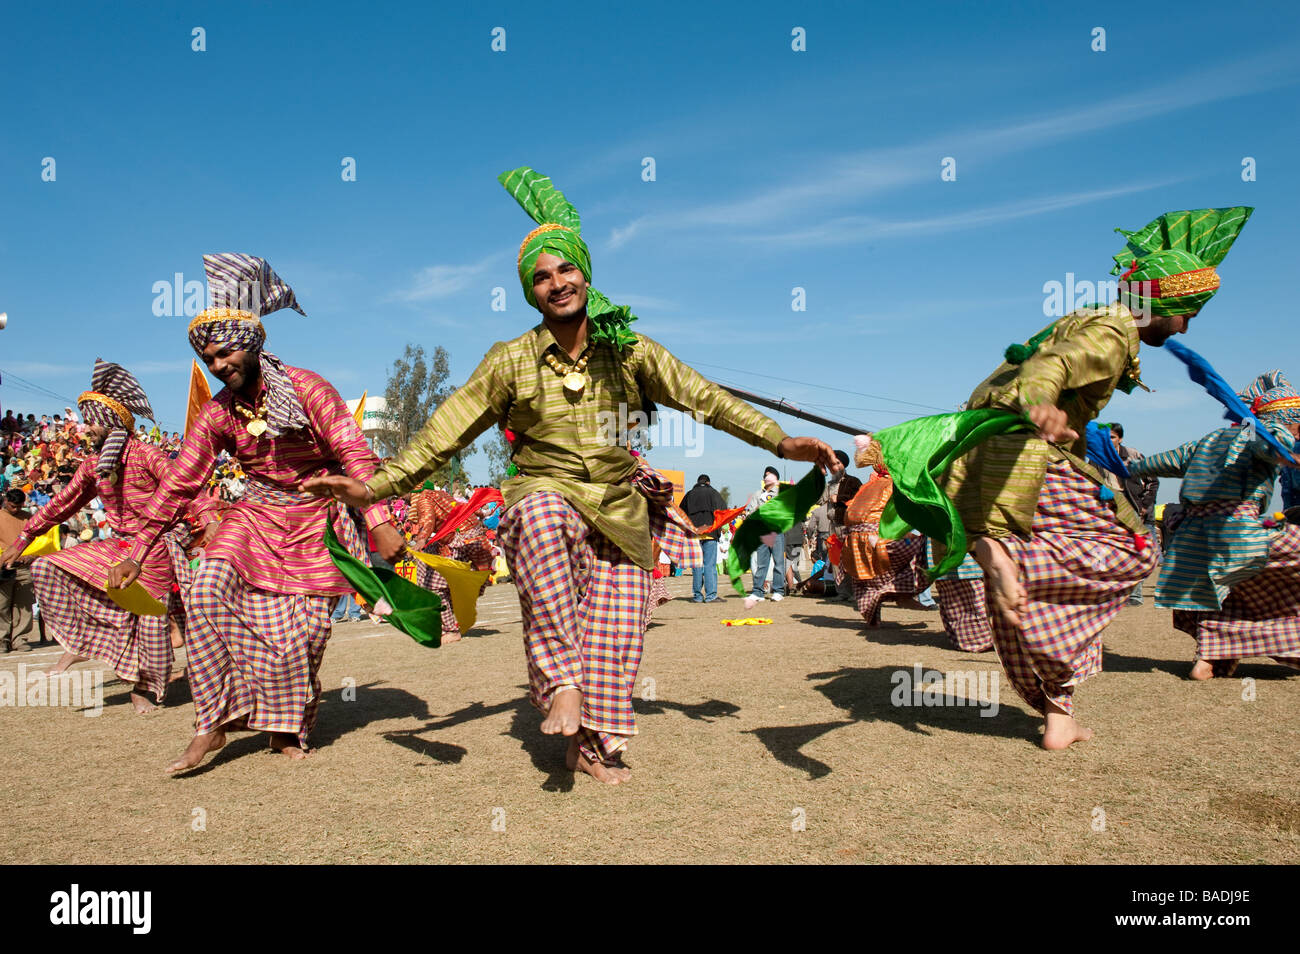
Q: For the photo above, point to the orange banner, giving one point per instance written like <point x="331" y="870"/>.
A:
<point x="200" y="394"/>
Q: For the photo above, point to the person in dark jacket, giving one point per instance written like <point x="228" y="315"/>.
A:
<point x="1141" y="493"/>
<point x="699" y="503"/>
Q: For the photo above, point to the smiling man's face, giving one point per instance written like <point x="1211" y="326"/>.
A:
<point x="560" y="289"/>
<point x="233" y="368"/>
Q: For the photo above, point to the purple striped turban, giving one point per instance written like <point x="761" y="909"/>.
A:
<point x="115" y="396"/>
<point x="242" y="290"/>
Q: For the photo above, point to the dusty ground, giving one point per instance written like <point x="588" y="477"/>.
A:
<point x="758" y="744"/>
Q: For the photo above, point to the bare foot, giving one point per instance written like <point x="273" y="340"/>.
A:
<point x="66" y="660"/>
<point x="174" y="633"/>
<point x="453" y="637"/>
<point x="200" y="746"/>
<point x="909" y="602"/>
<point x="141" y="703"/>
<point x="565" y="715"/>
<point x="287" y="744"/>
<point x="609" y="774"/>
<point x="1062" y="731"/>
<point x="178" y="676"/>
<point x="1002" y="580"/>
<point x="1201" y="670"/>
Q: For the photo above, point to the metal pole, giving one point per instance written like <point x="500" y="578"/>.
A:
<point x="787" y="408"/>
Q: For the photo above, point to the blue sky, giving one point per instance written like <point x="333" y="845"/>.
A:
<point x="775" y="169"/>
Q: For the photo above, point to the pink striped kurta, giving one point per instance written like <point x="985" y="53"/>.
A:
<point x="259" y="607"/>
<point x="70" y="584"/>
<point x="273" y="545"/>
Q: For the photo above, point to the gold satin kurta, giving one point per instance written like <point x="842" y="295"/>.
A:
<point x="1076" y="368"/>
<point x="570" y="443"/>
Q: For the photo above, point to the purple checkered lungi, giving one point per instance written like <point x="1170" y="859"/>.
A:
<point x="1260" y="617"/>
<point x="965" y="614"/>
<point x="584" y="605"/>
<point x="253" y="652"/>
<point x="906" y="577"/>
<point x="1078" y="568"/>
<point x="87" y="623"/>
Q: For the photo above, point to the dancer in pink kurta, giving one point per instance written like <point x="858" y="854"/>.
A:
<point x="259" y="606"/>
<point x="124" y="474"/>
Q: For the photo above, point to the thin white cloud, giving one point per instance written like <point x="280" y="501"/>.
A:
<point x="861" y="228"/>
<point x="847" y="178"/>
<point x="443" y="281"/>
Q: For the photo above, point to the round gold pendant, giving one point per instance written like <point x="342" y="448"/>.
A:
<point x="575" y="382"/>
<point x="256" y="428"/>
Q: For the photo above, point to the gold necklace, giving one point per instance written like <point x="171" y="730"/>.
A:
<point x="575" y="378"/>
<point x="256" y="418"/>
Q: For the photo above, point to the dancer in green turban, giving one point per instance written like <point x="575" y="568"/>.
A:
<point x="580" y="507"/>
<point x="1060" y="553"/>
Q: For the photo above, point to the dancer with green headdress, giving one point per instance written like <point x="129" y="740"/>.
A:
<point x="580" y="508"/>
<point x="1060" y="553"/>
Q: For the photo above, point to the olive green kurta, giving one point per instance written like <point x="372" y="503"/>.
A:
<point x="1076" y="368"/>
<point x="572" y="444"/>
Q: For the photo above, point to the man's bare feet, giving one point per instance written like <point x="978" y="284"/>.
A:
<point x="199" y="746"/>
<point x="565" y="715"/>
<point x="1062" y="731"/>
<point x="450" y="638"/>
<point x="287" y="744"/>
<point x="140" y="702"/>
<point x="1212" y="668"/>
<point x="66" y="660"/>
<point x="609" y="774"/>
<point x="178" y="676"/>
<point x="1002" y="580"/>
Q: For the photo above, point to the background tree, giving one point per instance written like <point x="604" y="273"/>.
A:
<point x="726" y="497"/>
<point x="498" y="456"/>
<point x="416" y="387"/>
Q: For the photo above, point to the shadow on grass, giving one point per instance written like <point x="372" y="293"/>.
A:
<point x="868" y="695"/>
<point x="336" y="718"/>
<point x="1257" y="667"/>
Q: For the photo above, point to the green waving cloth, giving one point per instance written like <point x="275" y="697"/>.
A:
<point x="560" y="233"/>
<point x="1169" y="264"/>
<point x="776" y="516"/>
<point x="916" y="453"/>
<point x="415" y="611"/>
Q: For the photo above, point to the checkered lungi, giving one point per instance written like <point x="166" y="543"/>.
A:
<point x="965" y="614"/>
<point x="584" y="606"/>
<point x="253" y="652"/>
<point x="659" y="595"/>
<point x="1260" y="617"/>
<point x="87" y="623"/>
<point x="905" y="577"/>
<point x="1078" y="568"/>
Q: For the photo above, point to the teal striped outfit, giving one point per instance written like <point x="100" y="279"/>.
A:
<point x="1228" y="479"/>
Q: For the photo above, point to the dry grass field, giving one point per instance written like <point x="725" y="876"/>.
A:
<point x="758" y="744"/>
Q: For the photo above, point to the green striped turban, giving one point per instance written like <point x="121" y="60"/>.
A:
<point x="1169" y="264"/>
<point x="558" y="232"/>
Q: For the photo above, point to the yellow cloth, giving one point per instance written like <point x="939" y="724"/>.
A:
<point x="564" y="441"/>
<point x="47" y="542"/>
<point x="465" y="584"/>
<point x="136" y="599"/>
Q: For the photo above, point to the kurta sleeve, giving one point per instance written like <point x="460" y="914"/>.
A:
<point x="1075" y="361"/>
<point x="183" y="480"/>
<point x="666" y="380"/>
<point x="75" y="495"/>
<point x="468" y="412"/>
<point x="337" y="429"/>
<point x="1172" y="463"/>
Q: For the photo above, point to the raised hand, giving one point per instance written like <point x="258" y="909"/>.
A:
<point x="347" y="489"/>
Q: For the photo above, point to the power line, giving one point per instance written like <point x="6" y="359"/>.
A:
<point x="825" y="387"/>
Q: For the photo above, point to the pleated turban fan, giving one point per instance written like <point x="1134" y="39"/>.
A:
<point x="1168" y="265"/>
<point x="114" y="399"/>
<point x="243" y="289"/>
<point x="1272" y="397"/>
<point x="559" y="232"/>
